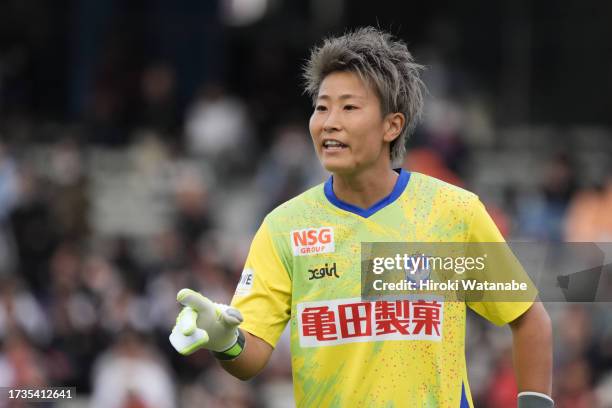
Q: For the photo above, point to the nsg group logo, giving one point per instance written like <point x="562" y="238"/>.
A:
<point x="312" y="241"/>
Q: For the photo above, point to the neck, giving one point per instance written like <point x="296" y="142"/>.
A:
<point x="366" y="188"/>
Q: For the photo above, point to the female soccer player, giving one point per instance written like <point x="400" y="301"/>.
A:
<point x="304" y="263"/>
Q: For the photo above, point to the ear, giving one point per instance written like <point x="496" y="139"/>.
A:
<point x="394" y="123"/>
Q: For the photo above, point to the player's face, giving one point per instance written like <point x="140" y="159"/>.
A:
<point x="347" y="127"/>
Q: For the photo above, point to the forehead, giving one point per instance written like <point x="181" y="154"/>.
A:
<point x="344" y="83"/>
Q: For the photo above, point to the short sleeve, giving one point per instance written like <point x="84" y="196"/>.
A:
<point x="483" y="230"/>
<point x="263" y="294"/>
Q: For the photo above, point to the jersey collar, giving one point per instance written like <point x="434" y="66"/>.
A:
<point x="398" y="189"/>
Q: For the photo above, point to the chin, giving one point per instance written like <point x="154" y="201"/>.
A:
<point x="337" y="166"/>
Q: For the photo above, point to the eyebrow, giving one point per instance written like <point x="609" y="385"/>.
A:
<point x="343" y="96"/>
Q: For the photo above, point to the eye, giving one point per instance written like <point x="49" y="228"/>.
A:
<point x="350" y="107"/>
<point x="321" y="108"/>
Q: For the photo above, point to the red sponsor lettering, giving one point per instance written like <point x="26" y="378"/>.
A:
<point x="426" y="316"/>
<point x="312" y="236"/>
<point x="355" y="319"/>
<point x="392" y="317"/>
<point x="319" y="322"/>
<point x="299" y="238"/>
<point x="325" y="235"/>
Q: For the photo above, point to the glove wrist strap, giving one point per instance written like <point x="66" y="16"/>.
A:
<point x="530" y="399"/>
<point x="233" y="352"/>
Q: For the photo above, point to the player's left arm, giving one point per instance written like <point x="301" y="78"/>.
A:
<point x="532" y="352"/>
<point x="531" y="331"/>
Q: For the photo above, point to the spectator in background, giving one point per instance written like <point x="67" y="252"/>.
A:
<point x="541" y="215"/>
<point x="289" y="167"/>
<point x="9" y="192"/>
<point x="69" y="200"/>
<point x="158" y="109"/>
<point x="603" y="392"/>
<point x="428" y="161"/>
<point x="103" y="118"/>
<point x="589" y="216"/>
<point x="132" y="375"/>
<point x="8" y="183"/>
<point x="191" y="203"/>
<point x="442" y="133"/>
<point x="218" y="128"/>
<point x="226" y="392"/>
<point x="502" y="387"/>
<point x="574" y="333"/>
<point x="35" y="231"/>
<point x="20" y="312"/>
<point x="21" y="364"/>
<point x="575" y="389"/>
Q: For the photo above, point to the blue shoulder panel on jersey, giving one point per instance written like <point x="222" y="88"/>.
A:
<point x="464" y="400"/>
<point x="398" y="189"/>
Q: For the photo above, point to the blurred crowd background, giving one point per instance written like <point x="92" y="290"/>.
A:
<point x="142" y="142"/>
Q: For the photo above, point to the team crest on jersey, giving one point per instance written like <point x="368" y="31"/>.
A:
<point x="312" y="241"/>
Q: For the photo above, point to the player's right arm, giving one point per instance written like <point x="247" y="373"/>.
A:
<point x="261" y="307"/>
<point x="252" y="360"/>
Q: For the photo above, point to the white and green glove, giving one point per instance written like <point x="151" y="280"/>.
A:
<point x="209" y="325"/>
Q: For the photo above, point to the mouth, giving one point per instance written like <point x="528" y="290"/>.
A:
<point x="333" y="145"/>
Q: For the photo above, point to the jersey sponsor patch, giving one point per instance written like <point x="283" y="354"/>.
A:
<point x="246" y="282"/>
<point x="312" y="241"/>
<point x="322" y="272"/>
<point x="341" y="321"/>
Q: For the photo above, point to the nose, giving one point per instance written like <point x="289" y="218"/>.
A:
<point x="332" y="122"/>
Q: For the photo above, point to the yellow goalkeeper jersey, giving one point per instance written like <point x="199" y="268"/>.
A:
<point x="304" y="268"/>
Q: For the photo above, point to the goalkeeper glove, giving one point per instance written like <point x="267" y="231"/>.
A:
<point x="209" y="325"/>
<point x="534" y="400"/>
